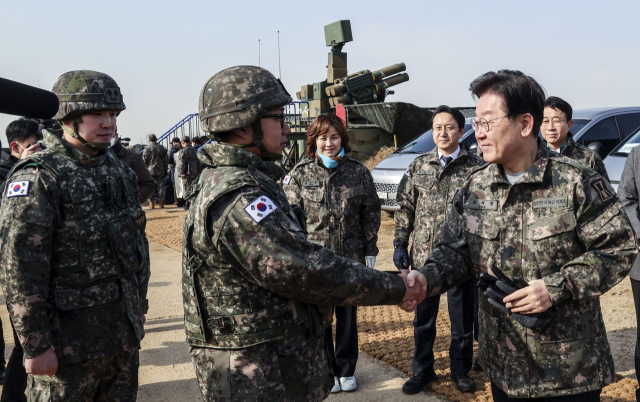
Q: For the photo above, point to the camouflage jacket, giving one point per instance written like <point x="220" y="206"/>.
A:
<point x="424" y="195"/>
<point x="342" y="205"/>
<point x="561" y="222"/>
<point x="74" y="265"/>
<point x="189" y="164"/>
<point x="249" y="275"/>
<point x="584" y="155"/>
<point x="155" y="157"/>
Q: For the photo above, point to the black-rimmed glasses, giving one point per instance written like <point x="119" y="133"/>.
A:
<point x="279" y="116"/>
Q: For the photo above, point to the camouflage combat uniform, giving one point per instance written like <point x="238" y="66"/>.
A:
<point x="584" y="155"/>
<point x="251" y="285"/>
<point x="424" y="196"/>
<point x="189" y="165"/>
<point x="561" y="222"/>
<point x="74" y="268"/>
<point x="343" y="215"/>
<point x="342" y="205"/>
<point x="157" y="161"/>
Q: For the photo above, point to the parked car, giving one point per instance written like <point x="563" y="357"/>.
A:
<point x="614" y="163"/>
<point x="606" y="126"/>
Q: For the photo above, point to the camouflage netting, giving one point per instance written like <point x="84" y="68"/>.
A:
<point x="386" y="332"/>
<point x="405" y="120"/>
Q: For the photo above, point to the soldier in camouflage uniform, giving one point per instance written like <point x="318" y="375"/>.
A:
<point x="424" y="196"/>
<point x="189" y="165"/>
<point x="555" y="127"/>
<point x="251" y="281"/>
<point x="157" y="161"/>
<point x="74" y="266"/>
<point x="343" y="215"/>
<point x="549" y="220"/>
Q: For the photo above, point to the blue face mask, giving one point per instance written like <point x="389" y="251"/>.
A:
<point x="327" y="161"/>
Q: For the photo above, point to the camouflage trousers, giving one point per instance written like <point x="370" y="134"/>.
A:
<point x="108" y="378"/>
<point x="160" y="189"/>
<point x="265" y="372"/>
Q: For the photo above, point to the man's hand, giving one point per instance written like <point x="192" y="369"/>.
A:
<point x="416" y="289"/>
<point x="31" y="150"/>
<point x="44" y="364"/>
<point x="184" y="176"/>
<point x="532" y="299"/>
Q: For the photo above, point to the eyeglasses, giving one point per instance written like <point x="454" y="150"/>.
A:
<point x="279" y="116"/>
<point x="484" y="123"/>
<point x="556" y="122"/>
<point x="449" y="129"/>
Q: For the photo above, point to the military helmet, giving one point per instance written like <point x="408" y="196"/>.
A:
<point x="237" y="97"/>
<point x="84" y="91"/>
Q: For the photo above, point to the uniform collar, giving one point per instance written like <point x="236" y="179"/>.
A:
<point x="535" y="174"/>
<point x="213" y="155"/>
<point x="433" y="156"/>
<point x="454" y="155"/>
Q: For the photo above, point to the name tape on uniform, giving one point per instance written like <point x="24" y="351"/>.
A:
<point x="18" y="188"/>
<point x="260" y="208"/>
<point x="475" y="203"/>
<point x="550" y="202"/>
<point x="286" y="180"/>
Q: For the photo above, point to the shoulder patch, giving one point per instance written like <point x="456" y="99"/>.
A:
<point x="286" y="180"/>
<point x="600" y="186"/>
<point x="260" y="208"/>
<point x="408" y="172"/>
<point x="18" y="188"/>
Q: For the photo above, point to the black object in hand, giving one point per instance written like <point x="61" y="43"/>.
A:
<point x="401" y="254"/>
<point x="499" y="287"/>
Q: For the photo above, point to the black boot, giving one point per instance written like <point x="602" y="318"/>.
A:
<point x="416" y="383"/>
<point x="463" y="381"/>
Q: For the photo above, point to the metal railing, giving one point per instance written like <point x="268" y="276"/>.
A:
<point x="189" y="126"/>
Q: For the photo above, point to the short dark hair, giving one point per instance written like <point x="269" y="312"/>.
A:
<point x="175" y="139"/>
<point x="186" y="139"/>
<point x="562" y="105"/>
<point x="21" y="129"/>
<point x="457" y="115"/>
<point x="520" y="93"/>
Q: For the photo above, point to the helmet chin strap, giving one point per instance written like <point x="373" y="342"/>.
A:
<point x="76" y="134"/>
<point x="258" y="135"/>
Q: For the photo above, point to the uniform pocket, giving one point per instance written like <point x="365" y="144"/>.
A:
<point x="77" y="298"/>
<point x="314" y="194"/>
<point x="552" y="239"/>
<point x="483" y="237"/>
<point x="354" y="192"/>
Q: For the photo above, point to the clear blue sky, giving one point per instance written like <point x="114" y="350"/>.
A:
<point x="161" y="53"/>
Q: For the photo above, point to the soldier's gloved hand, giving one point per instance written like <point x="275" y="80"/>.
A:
<point x="496" y="289"/>
<point x="371" y="261"/>
<point x="401" y="254"/>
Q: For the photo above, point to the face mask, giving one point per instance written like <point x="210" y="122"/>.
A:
<point x="113" y="142"/>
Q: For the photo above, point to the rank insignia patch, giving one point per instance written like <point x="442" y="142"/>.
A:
<point x="286" y="180"/>
<point x="18" y="188"/>
<point x="260" y="208"/>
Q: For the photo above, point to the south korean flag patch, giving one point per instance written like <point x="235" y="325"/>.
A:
<point x="260" y="208"/>
<point x="18" y="188"/>
<point x="286" y="180"/>
<point x="408" y="172"/>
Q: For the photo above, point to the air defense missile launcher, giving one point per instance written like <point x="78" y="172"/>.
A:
<point x="359" y="99"/>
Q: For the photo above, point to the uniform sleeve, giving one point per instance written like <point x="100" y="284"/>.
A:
<point x="605" y="233"/>
<point x="450" y="262"/>
<point x="628" y="192"/>
<point x="370" y="215"/>
<point x="183" y="163"/>
<point x="293" y="190"/>
<point x="406" y="199"/>
<point x="146" y="183"/>
<point x="273" y="253"/>
<point x="598" y="166"/>
<point x="146" y="156"/>
<point x="27" y="236"/>
<point x="165" y="161"/>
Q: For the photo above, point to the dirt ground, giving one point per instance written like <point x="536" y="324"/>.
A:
<point x="386" y="334"/>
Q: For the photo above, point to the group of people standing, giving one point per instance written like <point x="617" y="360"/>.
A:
<point x="268" y="258"/>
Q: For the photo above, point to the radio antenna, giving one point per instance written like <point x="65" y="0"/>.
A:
<point x="279" y="70"/>
<point x="258" y="52"/>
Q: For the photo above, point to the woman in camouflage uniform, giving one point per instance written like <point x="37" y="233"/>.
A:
<point x="343" y="208"/>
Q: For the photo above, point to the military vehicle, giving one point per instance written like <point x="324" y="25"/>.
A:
<point x="359" y="99"/>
